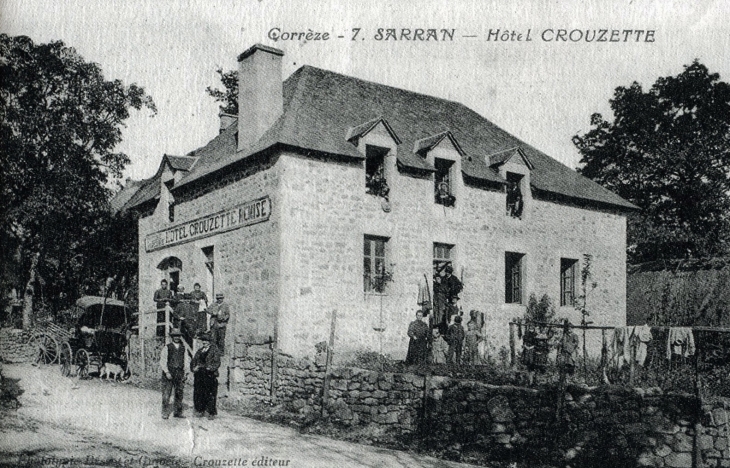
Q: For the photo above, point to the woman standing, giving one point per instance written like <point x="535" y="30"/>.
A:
<point x="418" y="346"/>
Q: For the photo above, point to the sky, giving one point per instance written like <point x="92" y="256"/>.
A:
<point x="542" y="91"/>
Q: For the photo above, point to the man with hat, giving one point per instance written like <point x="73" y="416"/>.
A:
<point x="205" y="377"/>
<point x="186" y="313"/>
<point x="220" y="314"/>
<point x="174" y="362"/>
<point x="452" y="287"/>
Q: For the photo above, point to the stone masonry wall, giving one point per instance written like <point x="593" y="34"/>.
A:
<point x="14" y="346"/>
<point x="246" y="260"/>
<point x="477" y="422"/>
<point x="328" y="214"/>
<point x="714" y="441"/>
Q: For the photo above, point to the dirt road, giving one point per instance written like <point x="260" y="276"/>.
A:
<point x="89" y="423"/>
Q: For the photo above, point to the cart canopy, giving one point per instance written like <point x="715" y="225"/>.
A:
<point x="94" y="312"/>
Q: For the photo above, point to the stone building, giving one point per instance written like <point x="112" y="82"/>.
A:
<point x="329" y="193"/>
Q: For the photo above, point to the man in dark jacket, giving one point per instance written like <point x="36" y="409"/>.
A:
<point x="220" y="313"/>
<point x="163" y="295"/>
<point x="174" y="362"/>
<point x="452" y="285"/>
<point x="205" y="366"/>
<point x="186" y="313"/>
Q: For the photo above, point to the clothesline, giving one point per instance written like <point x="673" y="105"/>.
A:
<point x="600" y="327"/>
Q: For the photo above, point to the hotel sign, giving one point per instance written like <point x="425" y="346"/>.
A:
<point x="246" y="214"/>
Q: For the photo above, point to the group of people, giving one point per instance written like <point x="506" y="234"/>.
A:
<point x="193" y="315"/>
<point x="440" y="337"/>
<point x="537" y="342"/>
<point x="193" y="319"/>
<point x="457" y="346"/>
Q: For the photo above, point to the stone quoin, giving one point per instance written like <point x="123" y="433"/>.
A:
<point x="328" y="192"/>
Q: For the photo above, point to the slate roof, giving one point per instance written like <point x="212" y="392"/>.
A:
<point x="323" y="108"/>
<point x="183" y="163"/>
<point x="125" y="194"/>
<point x="428" y="143"/>
<point x="502" y="157"/>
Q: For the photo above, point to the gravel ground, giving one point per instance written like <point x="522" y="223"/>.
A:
<point x="89" y="423"/>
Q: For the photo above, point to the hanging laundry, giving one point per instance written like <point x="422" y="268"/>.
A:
<point x="681" y="342"/>
<point x="640" y="338"/>
<point x="620" y="348"/>
<point x="424" y="297"/>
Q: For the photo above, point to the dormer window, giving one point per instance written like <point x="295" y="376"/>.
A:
<point x="375" y="180"/>
<point x="515" y="200"/>
<point x="443" y="182"/>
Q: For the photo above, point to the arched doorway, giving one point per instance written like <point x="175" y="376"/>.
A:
<point x="172" y="267"/>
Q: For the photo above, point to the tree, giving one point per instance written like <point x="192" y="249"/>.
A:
<point x="667" y="150"/>
<point x="60" y="121"/>
<point x="228" y="97"/>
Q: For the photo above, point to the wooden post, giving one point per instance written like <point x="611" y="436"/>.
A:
<point x="632" y="362"/>
<point x="142" y="356"/>
<point x="274" y="364"/>
<point x="328" y="364"/>
<point x="426" y="389"/>
<point x="167" y="322"/>
<point x="512" y="351"/>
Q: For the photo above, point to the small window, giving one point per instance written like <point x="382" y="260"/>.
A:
<point x="171" y="211"/>
<point x="208" y="252"/>
<point x="442" y="257"/>
<point x="567" y="281"/>
<point x="375" y="274"/>
<point x="443" y="182"/>
<point x="375" y="181"/>
<point x="515" y="200"/>
<point x="513" y="277"/>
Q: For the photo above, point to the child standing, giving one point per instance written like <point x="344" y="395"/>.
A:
<point x="473" y="337"/>
<point x="455" y="340"/>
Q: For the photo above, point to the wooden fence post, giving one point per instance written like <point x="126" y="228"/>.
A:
<point x="512" y="351"/>
<point x="168" y="309"/>
<point x="274" y="364"/>
<point x="328" y="364"/>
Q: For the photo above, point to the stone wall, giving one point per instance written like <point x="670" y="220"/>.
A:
<point x="245" y="260"/>
<point x="328" y="214"/>
<point x="714" y="440"/>
<point x="478" y="423"/>
<point x="605" y="426"/>
<point x="285" y="276"/>
<point x="14" y="346"/>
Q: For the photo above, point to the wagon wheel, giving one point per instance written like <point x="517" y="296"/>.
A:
<point x="47" y="348"/>
<point x="66" y="359"/>
<point x="82" y="364"/>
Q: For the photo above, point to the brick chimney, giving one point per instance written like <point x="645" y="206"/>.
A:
<point x="260" y="93"/>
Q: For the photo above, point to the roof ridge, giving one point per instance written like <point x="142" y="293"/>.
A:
<point x="375" y="83"/>
<point x="294" y="101"/>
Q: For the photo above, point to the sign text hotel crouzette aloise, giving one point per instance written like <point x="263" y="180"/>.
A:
<point x="246" y="214"/>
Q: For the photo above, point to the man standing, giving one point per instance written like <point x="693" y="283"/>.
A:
<point x="163" y="295"/>
<point x="452" y="287"/>
<point x="174" y="362"/>
<point x="205" y="377"/>
<point x="186" y="312"/>
<point x="220" y="314"/>
<point x="451" y="284"/>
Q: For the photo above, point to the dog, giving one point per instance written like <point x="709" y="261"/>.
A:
<point x="115" y="371"/>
